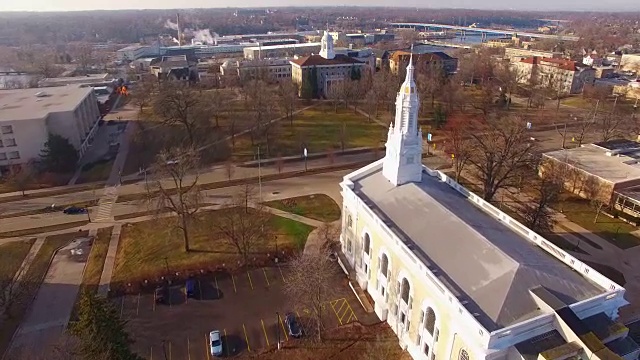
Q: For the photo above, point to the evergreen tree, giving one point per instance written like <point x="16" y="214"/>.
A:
<point x="100" y="330"/>
<point x="307" y="86"/>
<point x="355" y="73"/>
<point x="58" y="155"/>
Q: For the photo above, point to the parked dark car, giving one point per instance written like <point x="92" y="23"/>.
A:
<point x="190" y="288"/>
<point x="293" y="326"/>
<point x="74" y="210"/>
<point x="160" y="293"/>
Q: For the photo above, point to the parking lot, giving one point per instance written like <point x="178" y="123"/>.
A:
<point x="248" y="309"/>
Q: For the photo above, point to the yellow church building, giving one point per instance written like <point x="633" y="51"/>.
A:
<point x="456" y="278"/>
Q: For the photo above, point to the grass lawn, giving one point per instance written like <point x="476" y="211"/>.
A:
<point x="38" y="230"/>
<point x="145" y="246"/>
<point x="33" y="278"/>
<point x="615" y="231"/>
<point x="319" y="129"/>
<point x="93" y="268"/>
<point x="317" y="206"/>
<point x="99" y="172"/>
<point x="11" y="256"/>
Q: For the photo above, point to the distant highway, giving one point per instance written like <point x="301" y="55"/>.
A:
<point x="482" y="30"/>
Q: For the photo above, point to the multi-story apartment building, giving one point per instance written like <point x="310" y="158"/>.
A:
<point x="516" y="54"/>
<point x="400" y="59"/>
<point x="28" y="116"/>
<point x="271" y="69"/>
<point x="565" y="76"/>
<point x="458" y="279"/>
<point x="316" y="75"/>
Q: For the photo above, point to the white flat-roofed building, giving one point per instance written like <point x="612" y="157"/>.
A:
<point x="458" y="279"/>
<point x="28" y="116"/>
<point x="280" y="51"/>
<point x="134" y="52"/>
<point x="75" y="80"/>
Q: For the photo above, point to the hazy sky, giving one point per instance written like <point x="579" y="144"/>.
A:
<point x="66" y="5"/>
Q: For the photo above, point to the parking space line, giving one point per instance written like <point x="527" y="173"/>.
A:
<point x="250" y="282"/>
<point x="353" y="313"/>
<point x="335" y="312"/>
<point x="206" y="346"/>
<point x="341" y="306"/>
<point x="265" y="276"/>
<point x="169" y="350"/>
<point x="217" y="287"/>
<point x="281" y="274"/>
<point x="151" y="353"/>
<point x="200" y="289"/>
<point x="184" y="291"/>
<point x="283" y="329"/>
<point x="234" y="284"/>
<point x="188" y="349"/>
<point x="265" y="332"/>
<point x="225" y="337"/>
<point x="246" y="337"/>
<point x="138" y="306"/>
<point x="154" y="301"/>
<point x="121" y="306"/>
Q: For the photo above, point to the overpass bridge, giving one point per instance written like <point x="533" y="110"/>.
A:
<point x="482" y="31"/>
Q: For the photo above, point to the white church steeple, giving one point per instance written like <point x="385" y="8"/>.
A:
<point x="326" y="46"/>
<point x="403" y="159"/>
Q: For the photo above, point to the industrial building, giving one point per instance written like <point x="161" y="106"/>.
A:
<point x="28" y="116"/>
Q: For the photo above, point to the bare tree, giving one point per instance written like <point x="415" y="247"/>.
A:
<point x="178" y="104"/>
<point x="499" y="151"/>
<point x="593" y="191"/>
<point x="457" y="143"/>
<point x="287" y="92"/>
<point x="612" y="126"/>
<point x="21" y="178"/>
<point x="310" y="284"/>
<point x="179" y="193"/>
<point x="244" y="224"/>
<point x="229" y="168"/>
<point x="536" y="213"/>
<point x="260" y="100"/>
<point x="430" y="79"/>
<point x="218" y="104"/>
<point x="84" y="56"/>
<point x="143" y="94"/>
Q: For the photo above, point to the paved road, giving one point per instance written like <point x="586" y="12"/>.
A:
<point x="50" y="311"/>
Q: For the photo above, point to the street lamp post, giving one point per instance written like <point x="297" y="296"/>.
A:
<point x="278" y="329"/>
<point x="305" y="158"/>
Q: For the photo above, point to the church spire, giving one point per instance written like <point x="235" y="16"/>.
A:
<point x="402" y="162"/>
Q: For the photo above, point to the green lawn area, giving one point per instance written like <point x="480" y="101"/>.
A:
<point x="43" y="229"/>
<point x="32" y="280"/>
<point x="317" y="206"/>
<point x="144" y="246"/>
<point x="11" y="256"/>
<point x="99" y="172"/>
<point x="319" y="129"/>
<point x="95" y="263"/>
<point x="615" y="231"/>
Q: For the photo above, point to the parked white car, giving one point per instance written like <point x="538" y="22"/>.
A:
<point x="215" y="343"/>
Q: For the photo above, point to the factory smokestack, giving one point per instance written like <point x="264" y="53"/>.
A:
<point x="179" y="29"/>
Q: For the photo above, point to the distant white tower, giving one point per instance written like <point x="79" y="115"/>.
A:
<point x="326" y="47"/>
<point x="403" y="159"/>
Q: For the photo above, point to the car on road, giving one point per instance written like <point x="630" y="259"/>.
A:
<point x="215" y="343"/>
<point x="75" y="210"/>
<point x="293" y="326"/>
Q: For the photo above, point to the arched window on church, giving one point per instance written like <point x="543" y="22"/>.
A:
<point x="384" y="265"/>
<point x="430" y="321"/>
<point x="367" y="243"/>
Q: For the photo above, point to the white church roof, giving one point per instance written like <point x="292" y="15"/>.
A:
<point x="480" y="258"/>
